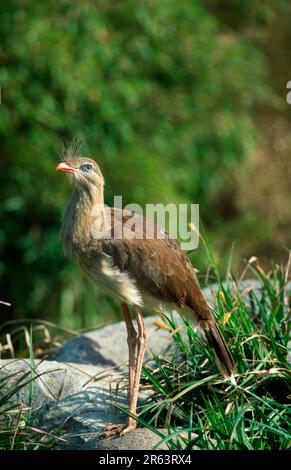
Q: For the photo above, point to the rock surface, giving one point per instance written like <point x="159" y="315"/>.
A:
<point x="79" y="398"/>
<point x="107" y="346"/>
<point x="140" y="439"/>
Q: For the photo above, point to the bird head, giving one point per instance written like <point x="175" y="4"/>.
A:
<point x="83" y="171"/>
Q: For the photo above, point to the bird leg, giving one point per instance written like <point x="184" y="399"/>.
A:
<point x="135" y="368"/>
<point x="114" y="429"/>
<point x="131" y="341"/>
<point x="141" y="341"/>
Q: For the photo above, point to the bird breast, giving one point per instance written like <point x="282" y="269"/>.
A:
<point x="109" y="277"/>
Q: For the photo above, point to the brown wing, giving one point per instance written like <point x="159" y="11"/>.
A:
<point x="162" y="269"/>
<point x="158" y="265"/>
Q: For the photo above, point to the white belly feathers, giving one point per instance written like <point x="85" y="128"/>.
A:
<point x="116" y="282"/>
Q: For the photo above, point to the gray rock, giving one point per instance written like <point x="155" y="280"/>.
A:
<point x="248" y="286"/>
<point x="108" y="345"/>
<point x="140" y="439"/>
<point x="84" y="350"/>
<point x="77" y="398"/>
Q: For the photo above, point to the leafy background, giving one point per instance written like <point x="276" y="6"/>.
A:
<point x="177" y="101"/>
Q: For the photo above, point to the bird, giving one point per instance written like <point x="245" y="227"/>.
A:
<point x="112" y="247"/>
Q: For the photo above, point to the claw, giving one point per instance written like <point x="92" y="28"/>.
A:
<point x="118" y="429"/>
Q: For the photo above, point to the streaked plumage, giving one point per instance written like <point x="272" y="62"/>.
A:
<point x="138" y="271"/>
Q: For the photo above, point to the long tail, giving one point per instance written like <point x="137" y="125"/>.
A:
<point x="224" y="358"/>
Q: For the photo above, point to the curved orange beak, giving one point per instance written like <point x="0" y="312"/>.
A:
<point x="64" y="167"/>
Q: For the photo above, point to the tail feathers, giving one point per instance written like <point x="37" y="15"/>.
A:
<point x="224" y="358"/>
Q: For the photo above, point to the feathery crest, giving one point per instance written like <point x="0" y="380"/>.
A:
<point x="72" y="150"/>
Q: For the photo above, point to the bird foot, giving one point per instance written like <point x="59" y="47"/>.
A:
<point x="118" y="429"/>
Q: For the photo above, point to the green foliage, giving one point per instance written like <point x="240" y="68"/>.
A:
<point x="162" y="93"/>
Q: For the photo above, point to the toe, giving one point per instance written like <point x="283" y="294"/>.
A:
<point x="112" y="430"/>
<point x="129" y="428"/>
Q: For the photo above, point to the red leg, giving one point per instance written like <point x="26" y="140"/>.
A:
<point x="141" y="341"/>
<point x="114" y="429"/>
<point x="131" y="341"/>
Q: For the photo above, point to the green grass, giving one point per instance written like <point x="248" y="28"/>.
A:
<point x="18" y="423"/>
<point x="196" y="405"/>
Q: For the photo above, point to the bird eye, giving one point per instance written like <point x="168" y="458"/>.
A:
<point x="86" y="167"/>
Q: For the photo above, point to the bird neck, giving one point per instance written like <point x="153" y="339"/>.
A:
<point x="85" y="205"/>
